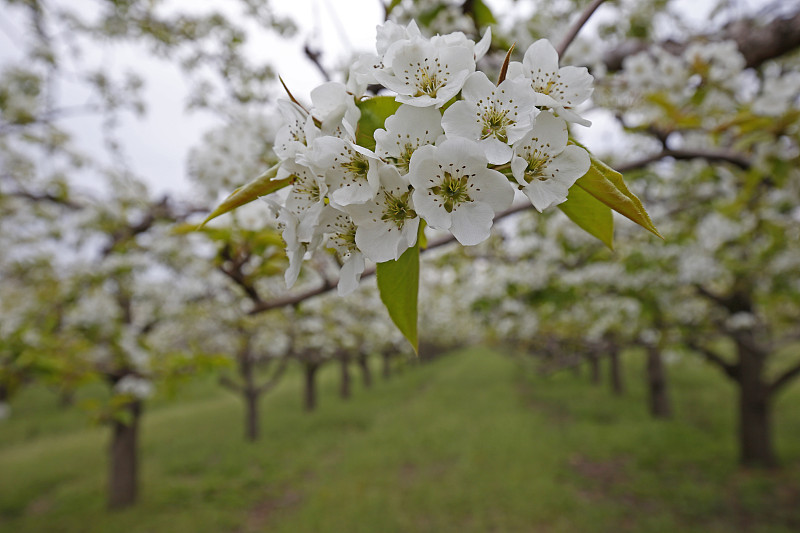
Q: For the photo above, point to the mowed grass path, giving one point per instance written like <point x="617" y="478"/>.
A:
<point x="472" y="442"/>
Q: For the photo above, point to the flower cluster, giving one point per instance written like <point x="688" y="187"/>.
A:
<point x="453" y="154"/>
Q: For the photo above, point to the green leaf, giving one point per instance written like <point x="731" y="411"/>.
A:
<point x="483" y="15"/>
<point x="398" y="283"/>
<point x="374" y="112"/>
<point x="592" y="215"/>
<point x="390" y="7"/>
<point x="262" y="185"/>
<point x="606" y="184"/>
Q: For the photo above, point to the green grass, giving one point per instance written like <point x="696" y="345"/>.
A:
<point x="475" y="441"/>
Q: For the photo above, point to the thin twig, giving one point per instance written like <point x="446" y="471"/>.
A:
<point x="708" y="155"/>
<point x="573" y="31"/>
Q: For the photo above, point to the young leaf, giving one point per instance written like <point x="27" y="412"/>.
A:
<point x="483" y="15"/>
<point x="504" y="69"/>
<point x="262" y="185"/>
<point x="606" y="184"/>
<point x="374" y="112"/>
<point x="590" y="214"/>
<point x="398" y="283"/>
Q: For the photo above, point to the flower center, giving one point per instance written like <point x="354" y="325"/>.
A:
<point x="494" y="124"/>
<point x="453" y="191"/>
<point x="536" y="167"/>
<point x="308" y="188"/>
<point x="428" y="83"/>
<point x="396" y="208"/>
<point x="358" y="166"/>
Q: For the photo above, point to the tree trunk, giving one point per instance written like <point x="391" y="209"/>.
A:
<point x="251" y="414"/>
<point x="249" y="393"/>
<point x="366" y="373"/>
<point x="344" y="385"/>
<point x="387" y="365"/>
<point x="660" y="406"/>
<point x="123" y="474"/>
<point x="755" y="411"/>
<point x="594" y="366"/>
<point x="310" y="388"/>
<point x="615" y="371"/>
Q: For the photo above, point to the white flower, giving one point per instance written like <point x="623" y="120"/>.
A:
<point x="135" y="386"/>
<point x="560" y="89"/>
<point x="455" y="191"/>
<point x="306" y="197"/>
<point x="496" y="116"/>
<point x="426" y="74"/>
<point x="388" y="224"/>
<point x="335" y="108"/>
<point x="544" y="166"/>
<point x="341" y="232"/>
<point x="408" y="129"/>
<point x="297" y="132"/>
<point x="458" y="39"/>
<point x="390" y="33"/>
<point x="350" y="171"/>
<point x="296" y="248"/>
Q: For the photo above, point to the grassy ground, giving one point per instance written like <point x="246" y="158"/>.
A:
<point x="473" y="442"/>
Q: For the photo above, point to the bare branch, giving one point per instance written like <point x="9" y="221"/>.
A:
<point x="756" y="41"/>
<point x="573" y="31"/>
<point x="785" y="378"/>
<point x="730" y="369"/>
<point x="230" y="384"/>
<point x="275" y="378"/>
<point x="709" y="155"/>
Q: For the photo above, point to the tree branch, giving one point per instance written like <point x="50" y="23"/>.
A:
<point x="275" y="378"/>
<point x="230" y="384"/>
<point x="756" y="41"/>
<point x="785" y="378"/>
<point x="573" y="31"/>
<point x="709" y="155"/>
<point x="731" y="369"/>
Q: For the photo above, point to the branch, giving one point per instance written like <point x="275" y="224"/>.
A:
<point x="785" y="378"/>
<point x="315" y="56"/>
<point x="43" y="197"/>
<point x="732" y="370"/>
<point x="709" y="155"/>
<point x="573" y="31"/>
<point x="756" y="42"/>
<point x="229" y="384"/>
<point x="329" y="284"/>
<point x="275" y="378"/>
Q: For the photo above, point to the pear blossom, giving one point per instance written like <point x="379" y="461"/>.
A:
<point x="387" y="224"/>
<point x="496" y="116"/>
<point x="408" y="129"/>
<point x="350" y="171"/>
<point x="544" y="166"/>
<point x="296" y="134"/>
<point x="424" y="73"/>
<point x="335" y="108"/>
<point x="340" y="230"/>
<point x="454" y="190"/>
<point x="306" y="197"/>
<point x="560" y="89"/>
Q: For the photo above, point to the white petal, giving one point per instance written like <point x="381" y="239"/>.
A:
<point x="541" y="60"/>
<point x="379" y="241"/>
<point x="477" y="86"/>
<point x="472" y="223"/>
<point x="462" y="120"/>
<point x="350" y="274"/>
<point x="497" y="152"/>
<point x="430" y="211"/>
